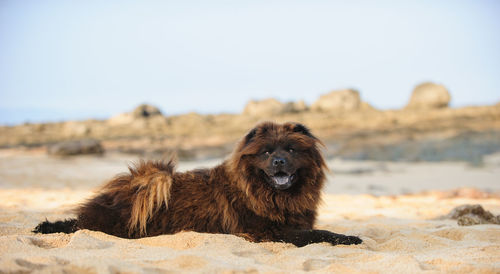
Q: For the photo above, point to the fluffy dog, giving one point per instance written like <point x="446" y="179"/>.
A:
<point x="268" y="190"/>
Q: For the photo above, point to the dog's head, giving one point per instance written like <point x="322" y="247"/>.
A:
<point x="279" y="155"/>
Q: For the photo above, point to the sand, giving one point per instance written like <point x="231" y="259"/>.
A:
<point x="393" y="207"/>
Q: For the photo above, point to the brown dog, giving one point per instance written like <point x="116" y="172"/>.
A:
<point x="268" y="190"/>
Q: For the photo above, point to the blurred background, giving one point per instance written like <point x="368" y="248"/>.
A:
<point x="63" y="60"/>
<point x="378" y="81"/>
<point x="404" y="95"/>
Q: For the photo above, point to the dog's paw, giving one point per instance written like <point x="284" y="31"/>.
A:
<point x="339" y="239"/>
<point x="351" y="240"/>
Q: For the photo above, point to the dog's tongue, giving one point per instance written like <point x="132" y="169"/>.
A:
<point x="281" y="180"/>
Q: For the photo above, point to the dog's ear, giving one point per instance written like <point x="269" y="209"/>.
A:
<point x="250" y="135"/>
<point x="303" y="129"/>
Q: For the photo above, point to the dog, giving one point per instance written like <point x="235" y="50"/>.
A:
<point x="267" y="190"/>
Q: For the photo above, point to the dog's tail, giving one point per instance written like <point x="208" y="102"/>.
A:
<point x="152" y="182"/>
<point x="66" y="226"/>
<point x="140" y="195"/>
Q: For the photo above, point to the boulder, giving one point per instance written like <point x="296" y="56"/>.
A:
<point x="138" y="116"/>
<point x="79" y="147"/>
<point x="145" y="111"/>
<point x="365" y="106"/>
<point x="339" y="100"/>
<point x="429" y="96"/>
<point x="265" y="107"/>
<point x="298" y="106"/>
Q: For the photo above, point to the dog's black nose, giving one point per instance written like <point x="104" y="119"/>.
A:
<point x="278" y="161"/>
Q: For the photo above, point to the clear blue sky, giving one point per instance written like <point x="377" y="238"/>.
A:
<point x="93" y="59"/>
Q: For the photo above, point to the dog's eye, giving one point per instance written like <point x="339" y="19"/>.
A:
<point x="291" y="150"/>
<point x="267" y="152"/>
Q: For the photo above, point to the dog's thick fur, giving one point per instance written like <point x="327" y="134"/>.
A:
<point x="268" y="190"/>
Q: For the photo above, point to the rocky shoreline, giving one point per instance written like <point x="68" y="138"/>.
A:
<point x="349" y="127"/>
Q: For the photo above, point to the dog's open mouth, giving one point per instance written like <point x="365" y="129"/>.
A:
<point x="282" y="180"/>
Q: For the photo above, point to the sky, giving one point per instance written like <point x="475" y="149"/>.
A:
<point x="63" y="60"/>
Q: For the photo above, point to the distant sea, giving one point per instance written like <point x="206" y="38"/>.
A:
<point x="11" y="117"/>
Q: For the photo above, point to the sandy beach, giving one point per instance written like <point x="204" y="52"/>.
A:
<point x="394" y="207"/>
<point x="393" y="107"/>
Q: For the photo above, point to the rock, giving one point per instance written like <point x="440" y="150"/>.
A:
<point x="298" y="106"/>
<point x="79" y="147"/>
<point x="428" y="96"/>
<point x="340" y="100"/>
<point x="145" y="111"/>
<point x="266" y="107"/>
<point x="138" y="116"/>
<point x="472" y="215"/>
<point x="470" y="219"/>
<point x="367" y="107"/>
